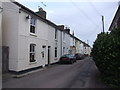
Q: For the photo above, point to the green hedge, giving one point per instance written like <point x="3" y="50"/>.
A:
<point x="106" y="54"/>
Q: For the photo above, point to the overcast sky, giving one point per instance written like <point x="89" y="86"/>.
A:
<point x="81" y="16"/>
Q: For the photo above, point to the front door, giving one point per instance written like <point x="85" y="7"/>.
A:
<point x="5" y="59"/>
<point x="48" y="55"/>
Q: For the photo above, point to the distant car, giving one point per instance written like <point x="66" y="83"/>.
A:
<point x="67" y="58"/>
<point x="79" y="56"/>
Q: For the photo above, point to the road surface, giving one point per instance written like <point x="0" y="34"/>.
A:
<point x="82" y="74"/>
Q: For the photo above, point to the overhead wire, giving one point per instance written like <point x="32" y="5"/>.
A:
<point x="80" y="10"/>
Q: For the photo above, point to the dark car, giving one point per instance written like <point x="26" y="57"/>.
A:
<point x="79" y="56"/>
<point x="68" y="58"/>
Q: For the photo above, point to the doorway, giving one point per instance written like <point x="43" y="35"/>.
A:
<point x="5" y="59"/>
<point x="49" y="55"/>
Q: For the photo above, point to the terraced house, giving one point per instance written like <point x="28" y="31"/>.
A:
<point x="33" y="40"/>
<point x="1" y="9"/>
<point x="116" y="20"/>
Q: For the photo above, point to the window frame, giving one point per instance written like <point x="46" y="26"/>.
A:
<point x="56" y="52"/>
<point x="32" y="51"/>
<point x="56" y="34"/>
<point x="33" y="22"/>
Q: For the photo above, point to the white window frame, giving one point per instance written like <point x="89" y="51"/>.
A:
<point x="56" y="34"/>
<point x="33" y="52"/>
<point x="33" y="24"/>
<point x="56" y="52"/>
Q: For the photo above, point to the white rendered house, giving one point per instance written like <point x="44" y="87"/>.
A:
<point x="30" y="37"/>
<point x="1" y="10"/>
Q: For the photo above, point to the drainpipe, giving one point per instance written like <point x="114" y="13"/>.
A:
<point x="61" y="43"/>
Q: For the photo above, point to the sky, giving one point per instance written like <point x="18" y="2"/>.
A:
<point x="83" y="17"/>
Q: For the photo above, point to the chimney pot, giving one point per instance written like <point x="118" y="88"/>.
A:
<point x="41" y="13"/>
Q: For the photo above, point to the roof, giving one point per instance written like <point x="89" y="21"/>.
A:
<point x="113" y="21"/>
<point x="27" y="10"/>
<point x="23" y="8"/>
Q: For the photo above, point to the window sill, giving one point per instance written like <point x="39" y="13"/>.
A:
<point x="32" y="34"/>
<point x="56" y="40"/>
<point x="32" y="63"/>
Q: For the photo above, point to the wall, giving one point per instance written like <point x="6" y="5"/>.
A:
<point x="59" y="44"/>
<point x="10" y="32"/>
<point x="81" y="48"/>
<point x="77" y="45"/>
<point x="17" y="36"/>
<point x="0" y="47"/>
<point x="87" y="50"/>
<point x="65" y="43"/>
<point x="72" y="45"/>
<point x="0" y="24"/>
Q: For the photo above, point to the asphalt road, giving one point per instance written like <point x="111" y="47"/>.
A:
<point x="82" y="74"/>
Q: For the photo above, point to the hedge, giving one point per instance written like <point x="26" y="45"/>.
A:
<point x="106" y="54"/>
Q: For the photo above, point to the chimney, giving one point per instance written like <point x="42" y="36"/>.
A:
<point x="61" y="27"/>
<point x="67" y="30"/>
<point x="41" y="13"/>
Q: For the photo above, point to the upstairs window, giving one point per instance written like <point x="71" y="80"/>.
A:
<point x="32" y="52"/>
<point x="55" y="34"/>
<point x="32" y="25"/>
<point x="63" y="35"/>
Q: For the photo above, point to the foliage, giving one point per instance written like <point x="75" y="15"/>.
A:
<point x="106" y="54"/>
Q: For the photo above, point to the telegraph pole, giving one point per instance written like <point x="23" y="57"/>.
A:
<point x="103" y="23"/>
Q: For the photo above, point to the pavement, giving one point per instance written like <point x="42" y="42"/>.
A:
<point x="82" y="74"/>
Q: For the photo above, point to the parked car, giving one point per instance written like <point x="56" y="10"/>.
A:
<point x="67" y="58"/>
<point x="79" y="56"/>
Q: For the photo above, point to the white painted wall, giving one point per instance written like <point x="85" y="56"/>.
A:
<point x="0" y="46"/>
<point x="77" y="45"/>
<point x="59" y="44"/>
<point x="81" y="48"/>
<point x="0" y="24"/>
<point x="10" y="32"/>
<point x="51" y="43"/>
<point x="87" y="50"/>
<point x="72" y="41"/>
<point x="17" y="36"/>
<point x="26" y="39"/>
<point x="65" y="43"/>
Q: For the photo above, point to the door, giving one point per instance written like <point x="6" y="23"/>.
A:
<point x="44" y="55"/>
<point x="5" y="59"/>
<point x="48" y="55"/>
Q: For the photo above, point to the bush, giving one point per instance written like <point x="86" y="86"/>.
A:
<point x="106" y="54"/>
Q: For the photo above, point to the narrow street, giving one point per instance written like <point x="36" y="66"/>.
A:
<point x="82" y="74"/>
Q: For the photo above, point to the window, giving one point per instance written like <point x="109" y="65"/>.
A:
<point x="43" y="52"/>
<point x="32" y="25"/>
<point x="32" y="52"/>
<point x="55" y="51"/>
<point x="63" y="35"/>
<point x="63" y="50"/>
<point x="55" y="34"/>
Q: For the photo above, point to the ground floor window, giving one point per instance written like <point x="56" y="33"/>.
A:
<point x="32" y="52"/>
<point x="55" y="51"/>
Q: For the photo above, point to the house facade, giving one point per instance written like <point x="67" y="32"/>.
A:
<point x="116" y="20"/>
<point x="72" y="44"/>
<point x="86" y="49"/>
<point x="0" y="44"/>
<point x="77" y="45"/>
<point x="81" y="47"/>
<point x="33" y="40"/>
<point x="30" y="38"/>
<point x="1" y="10"/>
<point x="65" y="42"/>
